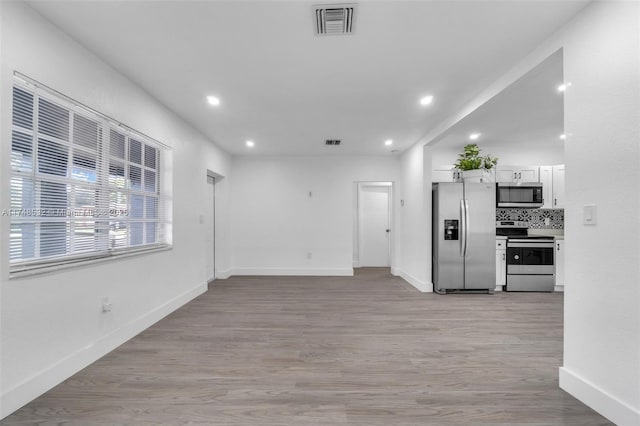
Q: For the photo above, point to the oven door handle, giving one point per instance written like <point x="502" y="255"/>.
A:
<point x="531" y="245"/>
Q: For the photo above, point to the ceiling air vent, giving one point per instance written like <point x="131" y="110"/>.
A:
<point x="333" y="142"/>
<point x="331" y="19"/>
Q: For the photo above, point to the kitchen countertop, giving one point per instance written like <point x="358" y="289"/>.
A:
<point x="558" y="234"/>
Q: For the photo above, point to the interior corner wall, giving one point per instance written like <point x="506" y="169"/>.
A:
<point x="602" y="152"/>
<point x="52" y="324"/>
<point x="294" y="215"/>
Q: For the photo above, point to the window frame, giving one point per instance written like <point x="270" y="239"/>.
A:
<point x="100" y="244"/>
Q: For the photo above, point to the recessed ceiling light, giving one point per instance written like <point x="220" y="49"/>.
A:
<point x="426" y="100"/>
<point x="563" y="136"/>
<point x="474" y="136"/>
<point x="213" y="100"/>
<point x="562" y="88"/>
<point x="250" y="144"/>
<point x="388" y="142"/>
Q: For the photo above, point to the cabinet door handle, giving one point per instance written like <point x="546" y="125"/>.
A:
<point x="555" y="201"/>
<point x="504" y="256"/>
<point x="558" y="246"/>
<point x="520" y="175"/>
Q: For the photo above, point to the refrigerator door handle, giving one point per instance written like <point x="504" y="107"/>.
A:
<point x="466" y="225"/>
<point x="462" y="234"/>
<point x="463" y="228"/>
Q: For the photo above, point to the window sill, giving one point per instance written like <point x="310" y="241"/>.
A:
<point x="30" y="271"/>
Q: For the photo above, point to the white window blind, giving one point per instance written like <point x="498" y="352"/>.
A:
<point x="82" y="186"/>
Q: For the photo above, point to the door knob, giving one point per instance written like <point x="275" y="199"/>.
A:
<point x="388" y="230"/>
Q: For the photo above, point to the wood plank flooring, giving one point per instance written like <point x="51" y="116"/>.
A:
<point x="364" y="350"/>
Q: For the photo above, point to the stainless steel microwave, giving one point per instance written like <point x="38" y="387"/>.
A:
<point x="527" y="195"/>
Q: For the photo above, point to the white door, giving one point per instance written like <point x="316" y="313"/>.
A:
<point x="210" y="229"/>
<point x="375" y="231"/>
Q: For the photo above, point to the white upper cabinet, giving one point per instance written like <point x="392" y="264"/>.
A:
<point x="558" y="186"/>
<point x="517" y="173"/>
<point x="546" y="179"/>
<point x="552" y="179"/>
<point x="446" y="173"/>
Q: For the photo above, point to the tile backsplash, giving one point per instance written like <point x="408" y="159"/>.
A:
<point x="536" y="217"/>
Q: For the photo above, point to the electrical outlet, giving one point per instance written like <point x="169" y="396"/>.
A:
<point x="106" y="305"/>
<point x="547" y="221"/>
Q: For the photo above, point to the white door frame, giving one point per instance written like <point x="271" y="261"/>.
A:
<point x="358" y="220"/>
<point x="212" y="216"/>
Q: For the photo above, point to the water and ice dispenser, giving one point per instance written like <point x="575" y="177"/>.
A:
<point x="451" y="229"/>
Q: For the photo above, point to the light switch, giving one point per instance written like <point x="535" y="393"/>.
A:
<point x="589" y="214"/>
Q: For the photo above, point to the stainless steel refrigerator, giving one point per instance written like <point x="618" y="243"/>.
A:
<point x="464" y="237"/>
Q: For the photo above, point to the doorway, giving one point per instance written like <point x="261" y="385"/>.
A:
<point x="210" y="223"/>
<point x="374" y="224"/>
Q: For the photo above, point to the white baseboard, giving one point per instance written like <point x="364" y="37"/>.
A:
<point x="559" y="288"/>
<point x="223" y="275"/>
<point x="42" y="381"/>
<point x="604" y="403"/>
<point x="418" y="284"/>
<point x="356" y="264"/>
<point x="340" y="272"/>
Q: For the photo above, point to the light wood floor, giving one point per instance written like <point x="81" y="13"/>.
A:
<point x="368" y="350"/>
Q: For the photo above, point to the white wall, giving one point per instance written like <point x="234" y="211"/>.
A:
<point x="52" y="325"/>
<point x="414" y="261"/>
<point x="275" y="223"/>
<point x="602" y="285"/>
<point x="602" y="158"/>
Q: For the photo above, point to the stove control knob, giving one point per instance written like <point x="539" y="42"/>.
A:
<point x="516" y="257"/>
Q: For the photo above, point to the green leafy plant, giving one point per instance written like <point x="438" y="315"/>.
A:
<point x="470" y="159"/>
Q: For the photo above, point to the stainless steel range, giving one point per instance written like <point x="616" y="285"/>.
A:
<point x="530" y="261"/>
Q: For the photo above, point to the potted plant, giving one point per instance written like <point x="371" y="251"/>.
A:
<point x="474" y="166"/>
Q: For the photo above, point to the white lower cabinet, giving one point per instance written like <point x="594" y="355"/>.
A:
<point x="559" y="254"/>
<point x="501" y="264"/>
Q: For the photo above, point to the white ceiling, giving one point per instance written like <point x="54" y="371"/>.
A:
<point x="530" y="112"/>
<point x="289" y="90"/>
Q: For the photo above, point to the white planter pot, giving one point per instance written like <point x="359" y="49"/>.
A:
<point x="478" y="175"/>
